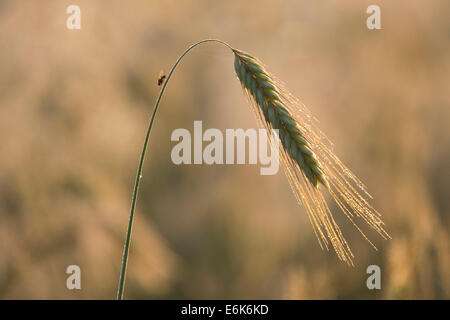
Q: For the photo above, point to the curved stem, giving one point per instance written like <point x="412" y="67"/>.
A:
<point x="141" y="162"/>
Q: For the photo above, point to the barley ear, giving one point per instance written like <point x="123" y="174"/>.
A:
<point x="307" y="157"/>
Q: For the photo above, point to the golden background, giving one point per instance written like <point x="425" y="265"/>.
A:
<point x="75" y="104"/>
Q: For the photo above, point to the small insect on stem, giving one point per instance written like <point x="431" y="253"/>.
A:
<point x="161" y="78"/>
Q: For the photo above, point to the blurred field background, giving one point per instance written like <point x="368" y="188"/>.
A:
<point x="74" y="107"/>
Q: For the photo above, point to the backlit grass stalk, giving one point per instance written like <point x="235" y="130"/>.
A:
<point x="308" y="161"/>
<point x="141" y="163"/>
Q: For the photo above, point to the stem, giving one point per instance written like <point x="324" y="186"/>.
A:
<point x="141" y="162"/>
